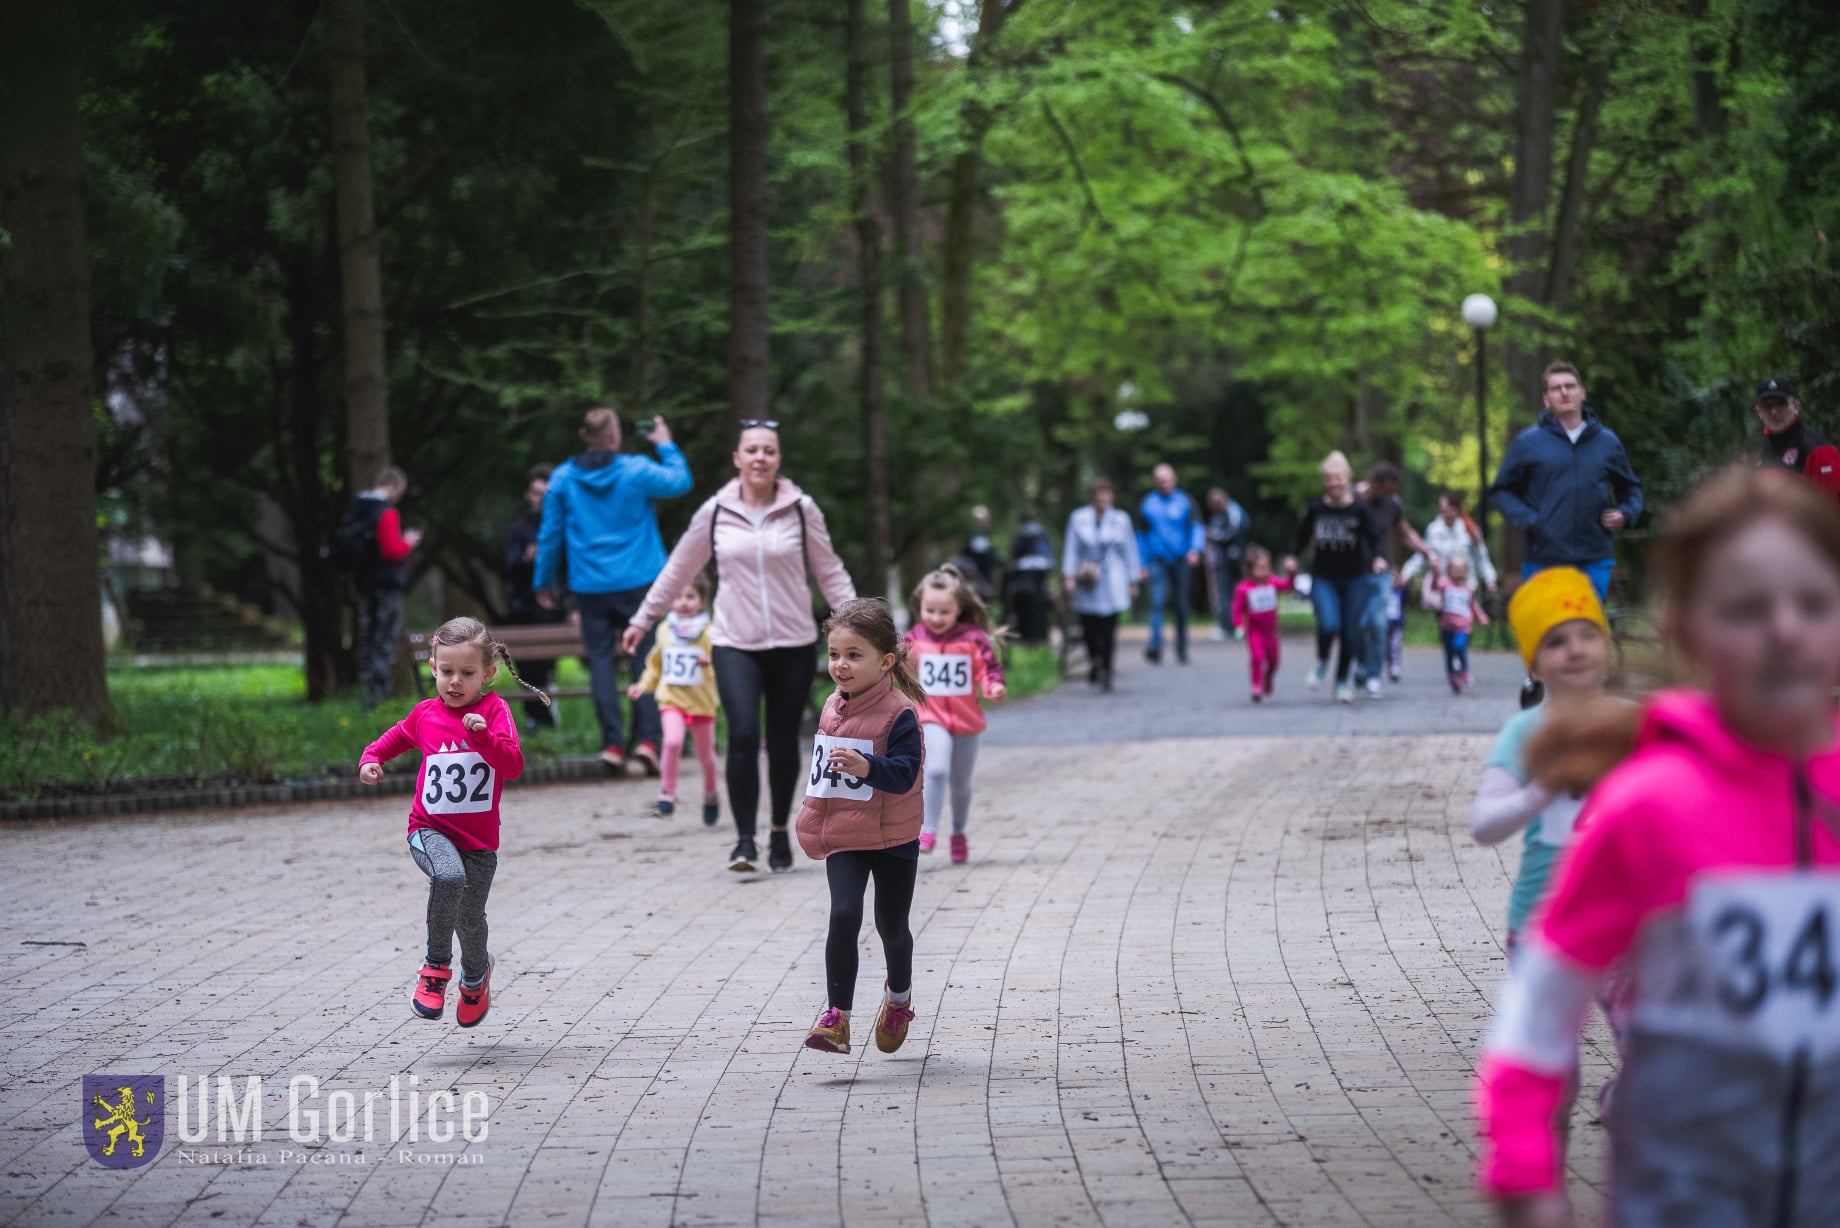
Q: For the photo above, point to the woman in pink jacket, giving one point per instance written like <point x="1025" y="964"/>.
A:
<point x="769" y="542"/>
<point x="1707" y="866"/>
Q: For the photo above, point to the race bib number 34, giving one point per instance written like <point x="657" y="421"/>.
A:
<point x="682" y="667"/>
<point x="826" y="781"/>
<point x="1769" y="951"/>
<point x="945" y="673"/>
<point x="456" y="782"/>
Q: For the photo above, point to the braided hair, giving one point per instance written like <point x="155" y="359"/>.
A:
<point x="466" y="632"/>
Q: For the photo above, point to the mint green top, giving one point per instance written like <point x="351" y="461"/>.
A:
<point x="1550" y="830"/>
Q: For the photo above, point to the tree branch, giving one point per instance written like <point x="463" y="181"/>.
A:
<point x="1079" y="171"/>
<point x="1226" y="121"/>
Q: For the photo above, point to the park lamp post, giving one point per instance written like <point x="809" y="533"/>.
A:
<point x="1480" y="314"/>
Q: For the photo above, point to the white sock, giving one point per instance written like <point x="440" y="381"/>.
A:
<point x="902" y="998"/>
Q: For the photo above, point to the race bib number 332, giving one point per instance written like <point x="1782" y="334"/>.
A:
<point x="826" y="781"/>
<point x="456" y="782"/>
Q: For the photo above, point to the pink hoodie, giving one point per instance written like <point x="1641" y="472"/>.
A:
<point x="1711" y="869"/>
<point x="763" y="596"/>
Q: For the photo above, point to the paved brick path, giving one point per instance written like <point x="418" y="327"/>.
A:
<point x="1224" y="980"/>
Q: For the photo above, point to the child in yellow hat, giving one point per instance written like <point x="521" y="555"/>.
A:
<point x="1565" y="641"/>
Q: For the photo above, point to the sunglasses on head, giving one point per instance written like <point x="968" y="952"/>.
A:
<point x="748" y="424"/>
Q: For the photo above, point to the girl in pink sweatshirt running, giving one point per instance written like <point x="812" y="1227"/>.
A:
<point x="469" y="745"/>
<point x="1708" y="863"/>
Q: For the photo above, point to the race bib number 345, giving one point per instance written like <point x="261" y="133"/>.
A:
<point x="826" y="781"/>
<point x="1769" y="949"/>
<point x="945" y="673"/>
<point x="456" y="782"/>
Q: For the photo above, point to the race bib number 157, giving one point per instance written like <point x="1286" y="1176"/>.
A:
<point x="826" y="781"/>
<point x="682" y="667"/>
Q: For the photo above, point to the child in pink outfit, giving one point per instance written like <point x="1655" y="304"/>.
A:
<point x="1255" y="618"/>
<point x="1454" y="596"/>
<point x="1707" y="863"/>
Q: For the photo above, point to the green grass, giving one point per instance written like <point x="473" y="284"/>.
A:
<point x="252" y="724"/>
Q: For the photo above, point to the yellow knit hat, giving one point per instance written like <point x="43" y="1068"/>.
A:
<point x="1556" y="595"/>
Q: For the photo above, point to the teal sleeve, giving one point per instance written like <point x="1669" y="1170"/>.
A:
<point x="1510" y="750"/>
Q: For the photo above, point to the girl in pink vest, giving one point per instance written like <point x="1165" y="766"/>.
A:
<point x="862" y="815"/>
<point x="950" y="645"/>
<point x="469" y="745"/>
<point x="1707" y="864"/>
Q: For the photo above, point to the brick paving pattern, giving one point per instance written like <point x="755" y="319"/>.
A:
<point x="1233" y="981"/>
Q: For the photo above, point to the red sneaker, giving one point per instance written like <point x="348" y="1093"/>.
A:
<point x="614" y="758"/>
<point x="474" y="1002"/>
<point x="647" y="756"/>
<point x="430" y="996"/>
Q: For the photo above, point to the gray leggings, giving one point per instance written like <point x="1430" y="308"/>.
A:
<point x="458" y="882"/>
<point x="949" y="760"/>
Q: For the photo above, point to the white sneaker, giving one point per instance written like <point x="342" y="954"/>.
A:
<point x="1373" y="688"/>
<point x="1393" y="673"/>
<point x="1344" y="694"/>
<point x="1216" y="634"/>
<point x="1316" y="676"/>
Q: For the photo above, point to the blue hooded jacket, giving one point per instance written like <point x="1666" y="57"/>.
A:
<point x="598" y="514"/>
<point x="1170" y="528"/>
<point x="1555" y="490"/>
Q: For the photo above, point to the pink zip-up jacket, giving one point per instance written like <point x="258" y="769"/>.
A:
<point x="954" y="670"/>
<point x="1249" y="593"/>
<point x="763" y="598"/>
<point x="1711" y="869"/>
<point x="463" y="773"/>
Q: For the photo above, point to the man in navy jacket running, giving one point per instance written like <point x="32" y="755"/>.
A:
<point x="1566" y="483"/>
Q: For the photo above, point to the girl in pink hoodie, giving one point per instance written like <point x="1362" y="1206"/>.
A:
<point x="952" y="650"/>
<point x="1708" y="864"/>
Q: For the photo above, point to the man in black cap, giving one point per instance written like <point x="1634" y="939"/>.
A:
<point x="1789" y="443"/>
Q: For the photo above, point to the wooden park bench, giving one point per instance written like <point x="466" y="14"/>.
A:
<point x="541" y="642"/>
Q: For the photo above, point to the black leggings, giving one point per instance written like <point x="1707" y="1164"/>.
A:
<point x="894" y="895"/>
<point x="781" y="677"/>
<point x="1101" y="634"/>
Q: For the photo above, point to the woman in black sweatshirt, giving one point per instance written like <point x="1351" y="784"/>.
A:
<point x="1345" y="541"/>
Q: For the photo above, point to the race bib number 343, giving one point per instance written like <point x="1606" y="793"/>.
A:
<point x="945" y="673"/>
<point x="826" y="781"/>
<point x="456" y="782"/>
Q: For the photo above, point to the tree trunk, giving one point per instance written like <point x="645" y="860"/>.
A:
<point x="904" y="205"/>
<point x="961" y="204"/>
<point x="367" y="406"/>
<point x="1536" y="109"/>
<point x="1709" y="131"/>
<point x="51" y="653"/>
<point x="328" y="666"/>
<point x="869" y="262"/>
<point x="748" y="354"/>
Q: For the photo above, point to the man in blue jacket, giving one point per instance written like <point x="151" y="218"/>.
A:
<point x="1169" y="543"/>
<point x="598" y="514"/>
<point x="1566" y="483"/>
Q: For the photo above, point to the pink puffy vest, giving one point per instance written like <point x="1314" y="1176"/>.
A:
<point x="835" y="823"/>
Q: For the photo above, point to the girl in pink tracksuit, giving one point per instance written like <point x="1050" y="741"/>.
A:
<point x="1255" y="617"/>
<point x="956" y="662"/>
<point x="469" y="746"/>
<point x="1708" y="864"/>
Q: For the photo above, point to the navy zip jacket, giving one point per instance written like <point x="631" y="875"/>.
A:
<point x="1555" y="490"/>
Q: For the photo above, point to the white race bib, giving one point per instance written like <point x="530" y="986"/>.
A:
<point x="1457" y="601"/>
<point x="1559" y="819"/>
<point x="682" y="667"/>
<point x="1764" y="961"/>
<point x="1262" y="600"/>
<point x="826" y="781"/>
<point x="456" y="782"/>
<point x="945" y="673"/>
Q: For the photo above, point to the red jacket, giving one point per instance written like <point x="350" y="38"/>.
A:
<point x="954" y="670"/>
<point x="463" y="773"/>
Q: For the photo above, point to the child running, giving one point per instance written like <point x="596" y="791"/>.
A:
<point x="469" y="747"/>
<point x="1255" y="618"/>
<point x="678" y="673"/>
<point x="1709" y="861"/>
<point x="1457" y="615"/>
<point x="950" y="645"/>
<point x="862" y="815"/>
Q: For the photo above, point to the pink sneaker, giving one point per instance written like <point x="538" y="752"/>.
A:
<point x="475" y="1001"/>
<point x="430" y="997"/>
<point x="961" y="848"/>
<point x="927" y="841"/>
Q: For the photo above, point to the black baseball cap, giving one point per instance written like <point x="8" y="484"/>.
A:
<point x="1775" y="386"/>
